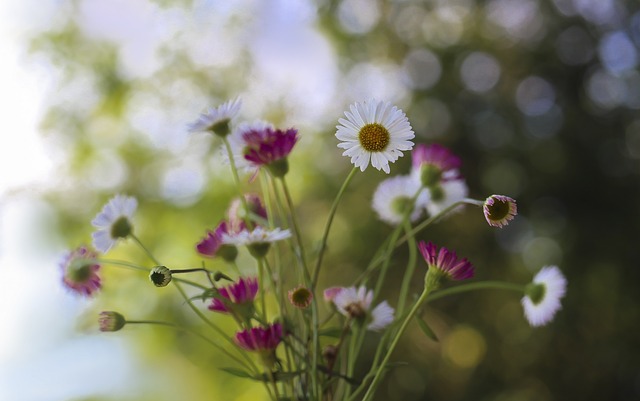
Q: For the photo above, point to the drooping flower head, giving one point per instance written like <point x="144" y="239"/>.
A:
<point x="114" y="222"/>
<point x="394" y="197"/>
<point x="355" y="303"/>
<point x="269" y="147"/>
<point x="499" y="210"/>
<point x="376" y="132"/>
<point x="434" y="164"/>
<point x="258" y="240"/>
<point x="217" y="119"/>
<point x="111" y="321"/>
<point x="238" y="216"/>
<point x="542" y="296"/>
<point x="80" y="271"/>
<point x="263" y="340"/>
<point x="300" y="297"/>
<point x="213" y="245"/>
<point x="445" y="263"/>
<point x="236" y="297"/>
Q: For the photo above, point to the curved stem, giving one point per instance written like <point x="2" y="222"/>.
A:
<point x="327" y="227"/>
<point x="144" y="248"/>
<point x="483" y="285"/>
<point x="121" y="263"/>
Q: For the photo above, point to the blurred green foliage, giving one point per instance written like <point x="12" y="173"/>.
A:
<point x="566" y="144"/>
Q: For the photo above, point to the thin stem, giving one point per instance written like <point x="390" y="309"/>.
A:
<point x="296" y="226"/>
<point x="408" y="275"/>
<point x="236" y="180"/>
<point x="483" y="285"/>
<point x="263" y="302"/>
<point x="121" y="263"/>
<point x="327" y="227"/>
<point x="144" y="248"/>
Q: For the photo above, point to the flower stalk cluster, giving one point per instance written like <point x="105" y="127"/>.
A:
<point x="273" y="300"/>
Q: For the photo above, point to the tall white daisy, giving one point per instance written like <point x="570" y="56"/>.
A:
<point x="542" y="296"/>
<point x="446" y="194"/>
<point x="114" y="222"/>
<point x="376" y="132"/>
<point x="394" y="195"/>
<point x="356" y="303"/>
<point x="217" y="119"/>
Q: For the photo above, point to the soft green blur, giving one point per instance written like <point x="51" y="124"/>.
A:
<point x="555" y="125"/>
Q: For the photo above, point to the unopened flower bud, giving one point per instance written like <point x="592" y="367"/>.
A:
<point x="160" y="276"/>
<point x="111" y="321"/>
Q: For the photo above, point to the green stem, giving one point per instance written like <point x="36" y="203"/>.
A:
<point x="263" y="289"/>
<point x="408" y="275"/>
<point x="144" y="248"/>
<point x="483" y="285"/>
<point x="121" y="263"/>
<point x="327" y="227"/>
<point x="379" y="373"/>
<point x="236" y="180"/>
<point x="296" y="227"/>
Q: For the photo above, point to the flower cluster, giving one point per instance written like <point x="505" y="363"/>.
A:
<point x="269" y="290"/>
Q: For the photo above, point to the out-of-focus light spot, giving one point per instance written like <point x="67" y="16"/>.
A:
<point x="541" y="251"/>
<point x="545" y="125"/>
<point x="518" y="20"/>
<point x="634" y="28"/>
<point x="430" y="118"/>
<point x="464" y="347"/>
<point x="444" y="26"/>
<point x="505" y="177"/>
<point x="632" y="137"/>
<point x="479" y="72"/>
<point x="617" y="53"/>
<point x="597" y="11"/>
<point x="549" y="216"/>
<point x="611" y="158"/>
<point x="535" y="96"/>
<point x="632" y="85"/>
<point x="183" y="185"/>
<point x="574" y="46"/>
<point x="107" y="170"/>
<point x="407" y="24"/>
<point x="381" y="81"/>
<point x="514" y="237"/>
<point x="491" y="130"/>
<point x="358" y="16"/>
<point x="565" y="7"/>
<point x="549" y="157"/>
<point x="605" y="90"/>
<point x="422" y="68"/>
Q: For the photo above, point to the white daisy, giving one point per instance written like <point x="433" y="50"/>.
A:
<point x="259" y="235"/>
<point x="216" y="119"/>
<point x="356" y="302"/>
<point x="445" y="195"/>
<point x="394" y="194"/>
<point x="374" y="131"/>
<point x="114" y="222"/>
<point x="542" y="299"/>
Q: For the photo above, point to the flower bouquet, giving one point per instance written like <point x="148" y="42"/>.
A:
<point x="300" y="341"/>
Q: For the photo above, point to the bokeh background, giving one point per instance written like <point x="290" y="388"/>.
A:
<point x="539" y="97"/>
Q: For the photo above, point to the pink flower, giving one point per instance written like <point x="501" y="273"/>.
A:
<point x="259" y="338"/>
<point x="241" y="294"/>
<point x="80" y="271"/>
<point x="212" y="245"/>
<point x="434" y="164"/>
<point x="269" y="147"/>
<point x="331" y="292"/>
<point x="446" y="262"/>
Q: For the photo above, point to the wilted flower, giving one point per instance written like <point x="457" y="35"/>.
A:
<point x="236" y="297"/>
<point x="444" y="263"/>
<point x="356" y="303"/>
<point x="542" y="296"/>
<point x="300" y="297"/>
<point x="217" y="119"/>
<point x="499" y="210"/>
<point x="114" y="222"/>
<point x="375" y="132"/>
<point x="80" y="271"/>
<point x="394" y="197"/>
<point x="213" y="245"/>
<point x="111" y="321"/>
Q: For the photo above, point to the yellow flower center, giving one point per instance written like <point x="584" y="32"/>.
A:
<point x="374" y="137"/>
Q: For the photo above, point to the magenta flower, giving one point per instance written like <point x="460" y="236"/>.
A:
<point x="445" y="262"/>
<point x="212" y="245"/>
<point x="259" y="338"/>
<point x="240" y="294"/>
<point x="269" y="147"/>
<point x="80" y="271"/>
<point x="434" y="164"/>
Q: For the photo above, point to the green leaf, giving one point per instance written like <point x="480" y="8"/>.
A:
<point x="426" y="329"/>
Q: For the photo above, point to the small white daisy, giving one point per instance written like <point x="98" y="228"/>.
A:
<point x="356" y="302"/>
<point x="445" y="195"/>
<point x="259" y="235"/>
<point x="216" y="119"/>
<point x="394" y="194"/>
<point x="542" y="299"/>
<point x="114" y="222"/>
<point x="374" y="131"/>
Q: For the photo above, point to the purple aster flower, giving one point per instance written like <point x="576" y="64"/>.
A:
<point x="80" y="271"/>
<point x="259" y="338"/>
<point x="445" y="262"/>
<point x="237" y="294"/>
<point x="212" y="245"/>
<point x="434" y="164"/>
<point x="499" y="210"/>
<point x="269" y="147"/>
